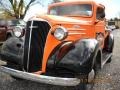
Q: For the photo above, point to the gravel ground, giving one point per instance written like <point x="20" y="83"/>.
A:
<point x="107" y="79"/>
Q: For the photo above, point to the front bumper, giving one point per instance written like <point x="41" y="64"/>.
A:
<point x="41" y="78"/>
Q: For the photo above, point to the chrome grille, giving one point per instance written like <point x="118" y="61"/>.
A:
<point x="35" y="39"/>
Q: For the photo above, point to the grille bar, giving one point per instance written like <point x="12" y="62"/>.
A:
<point x="35" y="39"/>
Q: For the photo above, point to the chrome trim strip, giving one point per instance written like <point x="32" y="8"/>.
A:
<point x="66" y="43"/>
<point x="29" y="45"/>
<point x="104" y="62"/>
<point x="35" y="18"/>
<point x="74" y="29"/>
<point x="33" y="27"/>
<point x="76" y="33"/>
<point x="41" y="78"/>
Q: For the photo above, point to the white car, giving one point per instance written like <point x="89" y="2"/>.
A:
<point x="112" y="27"/>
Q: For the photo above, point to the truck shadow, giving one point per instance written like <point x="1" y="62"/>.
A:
<point x="29" y="85"/>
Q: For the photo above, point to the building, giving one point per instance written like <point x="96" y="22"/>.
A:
<point x="114" y="22"/>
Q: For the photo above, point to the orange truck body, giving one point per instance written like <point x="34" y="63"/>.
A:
<point x="71" y="42"/>
<point x="79" y="27"/>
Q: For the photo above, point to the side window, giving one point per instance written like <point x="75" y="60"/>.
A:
<point x="100" y="15"/>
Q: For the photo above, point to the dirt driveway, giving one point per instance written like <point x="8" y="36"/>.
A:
<point x="107" y="79"/>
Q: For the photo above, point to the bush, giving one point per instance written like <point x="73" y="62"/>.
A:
<point x="117" y="27"/>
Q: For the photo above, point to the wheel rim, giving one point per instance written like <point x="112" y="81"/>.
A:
<point x="91" y="76"/>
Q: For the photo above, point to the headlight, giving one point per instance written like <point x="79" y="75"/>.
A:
<point x="60" y="33"/>
<point x="18" y="31"/>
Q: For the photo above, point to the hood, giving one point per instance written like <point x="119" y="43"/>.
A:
<point x="63" y="20"/>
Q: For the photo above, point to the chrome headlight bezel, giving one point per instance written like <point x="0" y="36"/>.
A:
<point x="60" y="33"/>
<point x="18" y="31"/>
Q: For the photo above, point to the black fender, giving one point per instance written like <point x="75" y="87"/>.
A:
<point x="109" y="43"/>
<point x="78" y="59"/>
<point x="12" y="50"/>
<point x="9" y="34"/>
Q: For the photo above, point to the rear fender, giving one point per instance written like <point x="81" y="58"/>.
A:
<point x="109" y="43"/>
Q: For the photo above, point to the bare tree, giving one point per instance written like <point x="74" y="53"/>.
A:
<point x="55" y="1"/>
<point x="16" y="8"/>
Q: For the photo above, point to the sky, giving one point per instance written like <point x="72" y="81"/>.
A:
<point x="37" y="9"/>
<point x="112" y="8"/>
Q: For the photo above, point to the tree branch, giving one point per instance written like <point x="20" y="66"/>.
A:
<point x="4" y="7"/>
<point x="15" y="8"/>
<point x="27" y="7"/>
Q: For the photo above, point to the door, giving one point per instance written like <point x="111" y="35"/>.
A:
<point x="100" y="25"/>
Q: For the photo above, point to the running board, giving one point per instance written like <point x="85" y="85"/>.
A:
<point x="105" y="58"/>
<point x="41" y="78"/>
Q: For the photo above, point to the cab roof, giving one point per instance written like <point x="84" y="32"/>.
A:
<point x="76" y="2"/>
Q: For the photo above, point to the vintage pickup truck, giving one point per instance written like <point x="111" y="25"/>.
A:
<point x="66" y="47"/>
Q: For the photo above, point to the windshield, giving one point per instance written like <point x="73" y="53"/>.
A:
<point x="72" y="10"/>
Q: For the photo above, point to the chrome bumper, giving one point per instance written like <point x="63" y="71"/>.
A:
<point x="41" y="78"/>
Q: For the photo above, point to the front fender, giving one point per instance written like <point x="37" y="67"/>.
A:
<point x="12" y="50"/>
<point x="78" y="59"/>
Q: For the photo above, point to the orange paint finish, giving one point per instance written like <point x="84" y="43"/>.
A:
<point x="78" y="27"/>
<point x="51" y="43"/>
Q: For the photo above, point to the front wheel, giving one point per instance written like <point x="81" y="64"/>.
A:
<point x="87" y="81"/>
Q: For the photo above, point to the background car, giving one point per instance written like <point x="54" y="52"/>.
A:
<point x="112" y="27"/>
<point x="7" y="27"/>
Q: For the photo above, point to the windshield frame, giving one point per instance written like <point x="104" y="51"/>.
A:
<point x="67" y="4"/>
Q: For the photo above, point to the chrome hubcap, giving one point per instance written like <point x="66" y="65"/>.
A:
<point x="91" y="76"/>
